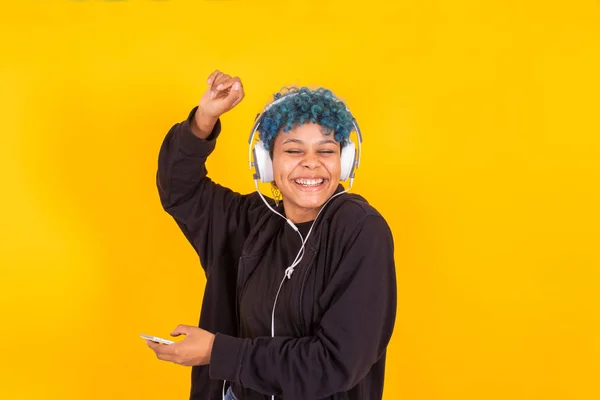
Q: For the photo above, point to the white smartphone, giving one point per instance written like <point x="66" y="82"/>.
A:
<point x="157" y="339"/>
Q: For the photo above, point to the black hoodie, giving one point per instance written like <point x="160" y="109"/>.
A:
<point x="336" y="313"/>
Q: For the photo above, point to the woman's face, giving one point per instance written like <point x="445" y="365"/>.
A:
<point x="306" y="168"/>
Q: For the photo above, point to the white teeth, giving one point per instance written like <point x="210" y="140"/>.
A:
<point x="309" y="182"/>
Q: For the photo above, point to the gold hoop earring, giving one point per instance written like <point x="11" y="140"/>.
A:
<point x="276" y="194"/>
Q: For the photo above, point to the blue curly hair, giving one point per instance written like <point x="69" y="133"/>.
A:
<point x="318" y="106"/>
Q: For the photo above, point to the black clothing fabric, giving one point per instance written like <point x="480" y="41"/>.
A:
<point x="334" y="316"/>
<point x="260" y="291"/>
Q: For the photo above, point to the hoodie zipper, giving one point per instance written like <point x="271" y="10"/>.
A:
<point x="302" y="287"/>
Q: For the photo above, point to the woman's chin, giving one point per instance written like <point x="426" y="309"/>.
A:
<point x="305" y="198"/>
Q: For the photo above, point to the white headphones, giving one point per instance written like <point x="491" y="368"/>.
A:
<point x="259" y="157"/>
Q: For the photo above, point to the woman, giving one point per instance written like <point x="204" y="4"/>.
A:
<point x="296" y="310"/>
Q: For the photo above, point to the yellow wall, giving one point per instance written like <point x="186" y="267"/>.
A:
<point x="481" y="148"/>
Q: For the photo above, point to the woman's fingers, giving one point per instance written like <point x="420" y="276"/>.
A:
<point x="227" y="83"/>
<point x="212" y="77"/>
<point x="224" y="85"/>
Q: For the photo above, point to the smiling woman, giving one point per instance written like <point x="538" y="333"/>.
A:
<point x="324" y="335"/>
<point x="307" y="169"/>
<point x="305" y="131"/>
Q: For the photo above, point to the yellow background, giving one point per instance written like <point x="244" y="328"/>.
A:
<point x="481" y="149"/>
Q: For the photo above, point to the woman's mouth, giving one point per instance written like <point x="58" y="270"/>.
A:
<point x="309" y="183"/>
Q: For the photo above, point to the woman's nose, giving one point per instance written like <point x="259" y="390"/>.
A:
<point x="311" y="160"/>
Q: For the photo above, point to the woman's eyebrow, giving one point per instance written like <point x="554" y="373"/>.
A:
<point x="324" y="141"/>
<point x="293" y="140"/>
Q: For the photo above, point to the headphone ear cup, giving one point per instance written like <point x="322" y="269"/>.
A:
<point x="348" y="160"/>
<point x="263" y="163"/>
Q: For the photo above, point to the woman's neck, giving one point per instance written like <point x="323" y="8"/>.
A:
<point x="300" y="215"/>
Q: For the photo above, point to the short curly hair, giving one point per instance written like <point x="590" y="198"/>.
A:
<point x="319" y="106"/>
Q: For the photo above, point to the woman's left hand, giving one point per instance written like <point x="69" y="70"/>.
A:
<point x="195" y="349"/>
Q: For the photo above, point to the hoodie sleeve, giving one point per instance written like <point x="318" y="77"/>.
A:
<point x="208" y="214"/>
<point x="353" y="334"/>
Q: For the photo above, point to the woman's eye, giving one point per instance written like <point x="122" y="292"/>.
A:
<point x="300" y="152"/>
